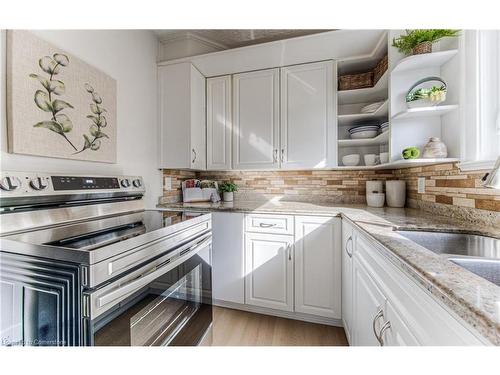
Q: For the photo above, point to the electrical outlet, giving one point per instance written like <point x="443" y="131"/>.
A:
<point x="421" y="185"/>
<point x="167" y="183"/>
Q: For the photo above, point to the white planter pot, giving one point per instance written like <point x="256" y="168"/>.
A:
<point x="227" y="196"/>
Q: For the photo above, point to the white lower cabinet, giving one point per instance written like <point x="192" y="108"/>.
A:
<point x="347" y="251"/>
<point x="318" y="265"/>
<point x="228" y="263"/>
<point x="391" y="309"/>
<point x="369" y="305"/>
<point x="269" y="270"/>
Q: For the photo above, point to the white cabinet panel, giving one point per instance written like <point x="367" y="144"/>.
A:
<point x="318" y="266"/>
<point x="369" y="306"/>
<point x="308" y="131"/>
<point x="228" y="264"/>
<point x="348" y="247"/>
<point x="256" y="119"/>
<point x="182" y="117"/>
<point x="219" y="125"/>
<point x="198" y="120"/>
<point x="269" y="270"/>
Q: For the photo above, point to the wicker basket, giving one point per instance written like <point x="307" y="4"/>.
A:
<point x="380" y="69"/>
<point x="425" y="47"/>
<point x="356" y="81"/>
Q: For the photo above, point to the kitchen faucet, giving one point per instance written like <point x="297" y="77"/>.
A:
<point x="492" y="179"/>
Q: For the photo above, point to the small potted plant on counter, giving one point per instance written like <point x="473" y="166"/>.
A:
<point x="227" y="189"/>
<point x="421" y="40"/>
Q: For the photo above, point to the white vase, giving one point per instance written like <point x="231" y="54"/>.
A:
<point x="435" y="148"/>
<point x="395" y="193"/>
<point x="228" y="196"/>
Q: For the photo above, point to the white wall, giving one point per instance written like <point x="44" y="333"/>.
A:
<point x="129" y="56"/>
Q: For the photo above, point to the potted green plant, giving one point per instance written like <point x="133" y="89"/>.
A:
<point x="227" y="189"/>
<point x="420" y="41"/>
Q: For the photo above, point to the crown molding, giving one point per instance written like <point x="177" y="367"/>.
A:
<point x="180" y="36"/>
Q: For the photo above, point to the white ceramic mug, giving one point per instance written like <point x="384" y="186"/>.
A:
<point x="384" y="157"/>
<point x="371" y="159"/>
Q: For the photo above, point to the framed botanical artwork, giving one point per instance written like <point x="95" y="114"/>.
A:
<point x="57" y="105"/>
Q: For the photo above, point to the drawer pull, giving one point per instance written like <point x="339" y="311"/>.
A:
<point x="265" y="225"/>
<point x="349" y="241"/>
<point x="378" y="315"/>
<point x="384" y="328"/>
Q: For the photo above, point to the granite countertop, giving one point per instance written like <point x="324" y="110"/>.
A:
<point x="471" y="297"/>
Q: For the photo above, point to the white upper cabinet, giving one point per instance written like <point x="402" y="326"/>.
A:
<point x="308" y="122"/>
<point x="318" y="266"/>
<point x="256" y="120"/>
<point x="182" y="117"/>
<point x="219" y="125"/>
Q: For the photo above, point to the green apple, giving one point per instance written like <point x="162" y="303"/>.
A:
<point x="411" y="153"/>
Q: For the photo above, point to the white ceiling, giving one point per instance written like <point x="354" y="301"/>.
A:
<point x="232" y="38"/>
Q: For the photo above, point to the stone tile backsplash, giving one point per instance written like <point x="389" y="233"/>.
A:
<point x="447" y="189"/>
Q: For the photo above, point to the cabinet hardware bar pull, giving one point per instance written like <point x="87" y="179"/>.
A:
<point x="379" y="314"/>
<point x="384" y="328"/>
<point x="349" y="240"/>
<point x="265" y="225"/>
<point x="289" y="248"/>
<point x="275" y="155"/>
<point x="282" y="155"/>
<point x="194" y="156"/>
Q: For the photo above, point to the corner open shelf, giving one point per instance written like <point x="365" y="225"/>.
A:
<point x="434" y="59"/>
<point x="378" y="140"/>
<point x="399" y="164"/>
<point x="382" y="111"/>
<point x="437" y="110"/>
<point x="366" y="95"/>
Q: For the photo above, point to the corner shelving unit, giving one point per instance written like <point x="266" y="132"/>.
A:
<point x="350" y="103"/>
<point x="414" y="126"/>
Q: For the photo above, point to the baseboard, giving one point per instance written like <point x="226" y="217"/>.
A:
<point x="282" y="314"/>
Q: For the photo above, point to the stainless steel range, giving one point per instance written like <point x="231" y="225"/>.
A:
<point x="83" y="263"/>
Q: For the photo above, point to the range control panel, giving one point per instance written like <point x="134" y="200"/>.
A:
<point x="33" y="184"/>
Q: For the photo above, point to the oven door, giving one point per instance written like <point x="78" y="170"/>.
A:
<point x="169" y="304"/>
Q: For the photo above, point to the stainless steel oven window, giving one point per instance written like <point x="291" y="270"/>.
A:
<point x="174" y="308"/>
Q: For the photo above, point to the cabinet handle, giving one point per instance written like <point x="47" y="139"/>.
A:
<point x="275" y="155"/>
<point x="194" y="156"/>
<point x="349" y="240"/>
<point x="378" y="315"/>
<point x="384" y="328"/>
<point x="265" y="225"/>
<point x="282" y="155"/>
<point x="289" y="249"/>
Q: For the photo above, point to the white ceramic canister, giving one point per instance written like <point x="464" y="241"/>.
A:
<point x="395" y="191"/>
<point x="375" y="199"/>
<point x="374" y="186"/>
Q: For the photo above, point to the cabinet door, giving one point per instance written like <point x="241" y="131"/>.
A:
<point x="175" y="115"/>
<point x="228" y="276"/>
<point x="219" y="123"/>
<point x="317" y="266"/>
<point x="256" y="120"/>
<point x="198" y="121"/>
<point x="308" y="131"/>
<point x="269" y="271"/>
<point x="369" y="308"/>
<point x="347" y="253"/>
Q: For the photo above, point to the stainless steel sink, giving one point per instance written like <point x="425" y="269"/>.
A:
<point x="477" y="254"/>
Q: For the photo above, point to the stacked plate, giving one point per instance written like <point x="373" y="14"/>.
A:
<point x="370" y="108"/>
<point x="384" y="127"/>
<point x="364" y="130"/>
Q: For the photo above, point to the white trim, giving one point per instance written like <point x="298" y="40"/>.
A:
<point x="282" y="314"/>
<point x="476" y="165"/>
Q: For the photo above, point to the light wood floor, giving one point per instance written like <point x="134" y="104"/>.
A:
<point x="241" y="328"/>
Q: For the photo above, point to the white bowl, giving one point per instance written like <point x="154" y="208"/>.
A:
<point x="364" y="134"/>
<point x="375" y="199"/>
<point x="350" y="160"/>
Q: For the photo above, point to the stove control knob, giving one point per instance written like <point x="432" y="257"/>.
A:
<point x="137" y="183"/>
<point x="10" y="183"/>
<point x="38" y="183"/>
<point x="125" y="183"/>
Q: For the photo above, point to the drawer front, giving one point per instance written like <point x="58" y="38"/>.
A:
<point x="279" y="224"/>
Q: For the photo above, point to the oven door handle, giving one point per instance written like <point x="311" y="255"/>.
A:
<point x="148" y="277"/>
